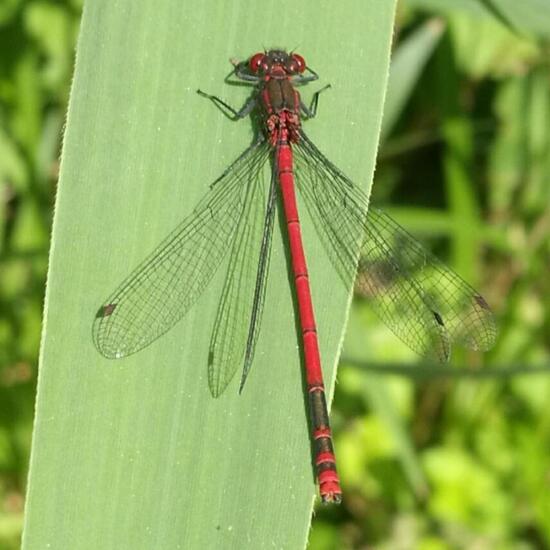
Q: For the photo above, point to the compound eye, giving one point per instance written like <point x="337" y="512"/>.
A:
<point x="297" y="63"/>
<point x="256" y="62"/>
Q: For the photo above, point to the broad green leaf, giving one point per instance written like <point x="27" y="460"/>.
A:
<point x="136" y="453"/>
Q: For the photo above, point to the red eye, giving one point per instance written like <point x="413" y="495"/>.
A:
<point x="256" y="62"/>
<point x="298" y="63"/>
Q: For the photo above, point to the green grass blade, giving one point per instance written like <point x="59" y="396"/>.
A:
<point x="496" y="10"/>
<point x="377" y="391"/>
<point x="136" y="453"/>
<point x="528" y="16"/>
<point x="525" y="17"/>
<point x="376" y="388"/>
<point x="407" y="63"/>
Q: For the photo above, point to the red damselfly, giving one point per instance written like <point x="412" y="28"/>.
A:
<point x="424" y="302"/>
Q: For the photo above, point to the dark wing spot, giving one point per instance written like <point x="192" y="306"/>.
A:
<point x="105" y="311"/>
<point x="438" y="318"/>
<point x="480" y="301"/>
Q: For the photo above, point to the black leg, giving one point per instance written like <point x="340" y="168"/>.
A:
<point x="226" y="108"/>
<point x="311" y="111"/>
<point x="301" y="79"/>
<point x="245" y="76"/>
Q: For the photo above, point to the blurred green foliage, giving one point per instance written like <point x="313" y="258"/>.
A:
<point x="430" y="458"/>
<point x="36" y="57"/>
<point x="436" y="458"/>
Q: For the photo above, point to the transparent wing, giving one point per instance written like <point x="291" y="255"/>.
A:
<point x="164" y="287"/>
<point x="240" y="311"/>
<point x="456" y="306"/>
<point x="261" y="281"/>
<point x="422" y="300"/>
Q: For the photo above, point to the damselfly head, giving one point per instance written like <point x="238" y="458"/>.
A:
<point x="277" y="61"/>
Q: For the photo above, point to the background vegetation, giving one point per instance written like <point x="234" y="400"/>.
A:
<point x="431" y="458"/>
